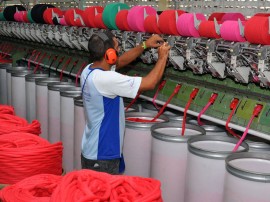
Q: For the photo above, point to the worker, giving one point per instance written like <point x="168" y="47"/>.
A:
<point x="102" y="91"/>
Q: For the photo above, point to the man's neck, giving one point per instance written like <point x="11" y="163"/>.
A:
<point x="101" y="64"/>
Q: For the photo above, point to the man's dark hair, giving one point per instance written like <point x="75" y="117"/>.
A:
<point x="98" y="46"/>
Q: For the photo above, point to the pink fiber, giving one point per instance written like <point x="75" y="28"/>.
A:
<point x="230" y="31"/>
<point x="244" y="134"/>
<point x="136" y="17"/>
<point x="16" y="16"/>
<point x="185" y="24"/>
<point x="233" y="17"/>
<point x="63" y="21"/>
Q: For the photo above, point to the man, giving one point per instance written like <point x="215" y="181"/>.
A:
<point x="103" y="89"/>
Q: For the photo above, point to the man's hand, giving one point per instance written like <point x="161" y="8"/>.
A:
<point x="163" y="50"/>
<point x="154" y="41"/>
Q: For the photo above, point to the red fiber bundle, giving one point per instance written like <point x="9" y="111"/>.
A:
<point x="71" y="18"/>
<point x="207" y="29"/>
<point x="88" y="185"/>
<point x="151" y="24"/>
<point x="98" y="21"/>
<point x="167" y="21"/>
<point x="38" y="188"/>
<point x="23" y="155"/>
<point x="218" y="16"/>
<point x="5" y="109"/>
<point x="131" y="189"/>
<point x="262" y="14"/>
<point x="142" y="120"/>
<point x="10" y="123"/>
<point x="257" y="29"/>
<point x="83" y="185"/>
<point x="90" y="13"/>
<point x="121" y="20"/>
<point x="48" y="15"/>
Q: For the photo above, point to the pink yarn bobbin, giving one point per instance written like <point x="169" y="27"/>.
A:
<point x="230" y="31"/>
<point x="136" y="16"/>
<point x="62" y="21"/>
<point x="186" y="26"/>
<point x="17" y="16"/>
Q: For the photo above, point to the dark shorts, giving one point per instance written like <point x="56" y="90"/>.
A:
<point x="107" y="166"/>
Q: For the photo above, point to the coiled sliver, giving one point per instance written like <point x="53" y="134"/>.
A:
<point x="83" y="186"/>
<point x="10" y="123"/>
<point x="5" y="109"/>
<point x="87" y="185"/>
<point x="38" y="188"/>
<point x="23" y="155"/>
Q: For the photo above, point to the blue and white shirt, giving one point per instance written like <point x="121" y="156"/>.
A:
<point x="104" y="109"/>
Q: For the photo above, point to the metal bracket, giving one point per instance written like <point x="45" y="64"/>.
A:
<point x="196" y="21"/>
<point x="217" y="26"/>
<point x="241" y="28"/>
<point x="78" y="16"/>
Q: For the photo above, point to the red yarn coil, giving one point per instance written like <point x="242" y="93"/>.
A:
<point x="218" y="16"/>
<point x="98" y="21"/>
<point x="25" y="17"/>
<point x="37" y="188"/>
<point x="127" y="188"/>
<point x="10" y="123"/>
<point x="5" y="109"/>
<point x="257" y="30"/>
<point x="90" y="13"/>
<point x="23" y="155"/>
<point x="48" y="16"/>
<point x="262" y="14"/>
<point x="88" y="185"/>
<point x="151" y="24"/>
<point x="70" y="18"/>
<point x="207" y="29"/>
<point x="167" y="21"/>
<point x="121" y="20"/>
